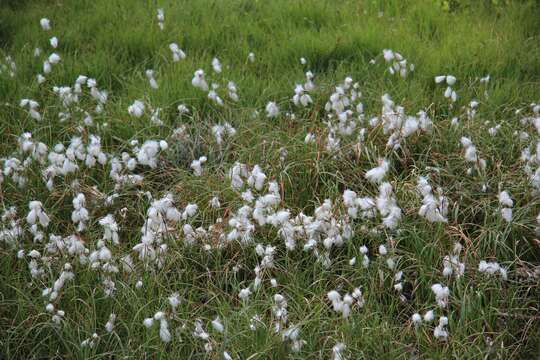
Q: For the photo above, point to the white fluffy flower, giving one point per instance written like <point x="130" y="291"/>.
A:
<point x="136" y="109"/>
<point x="272" y="110"/>
<point x="196" y="165"/>
<point x="216" y="65"/>
<point x="378" y="173"/>
<point x="199" y="81"/>
<point x="218" y="325"/>
<point x="178" y="54"/>
<point x="37" y="214"/>
<point x="54" y="42"/>
<point x="45" y="24"/>
<point x="441" y="294"/>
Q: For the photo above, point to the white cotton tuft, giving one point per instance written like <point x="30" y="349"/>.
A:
<point x="272" y="110"/>
<point x="199" y="81"/>
<point x="136" y="109"/>
<point x="164" y="332"/>
<point x="218" y="325"/>
<point x="505" y="199"/>
<point x="377" y="174"/>
<point x="216" y="65"/>
<point x="429" y="316"/>
<point x="45" y="24"/>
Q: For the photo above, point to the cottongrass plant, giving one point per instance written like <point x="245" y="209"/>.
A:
<point x="234" y="217"/>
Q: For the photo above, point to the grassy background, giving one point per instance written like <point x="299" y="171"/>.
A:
<point x="114" y="41"/>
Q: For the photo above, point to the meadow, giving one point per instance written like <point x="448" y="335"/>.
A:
<point x="249" y="179"/>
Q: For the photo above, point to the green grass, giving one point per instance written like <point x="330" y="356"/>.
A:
<point x="115" y="41"/>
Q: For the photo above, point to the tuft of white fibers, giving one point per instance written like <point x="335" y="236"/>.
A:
<point x="90" y="342"/>
<point x="54" y="58"/>
<point x="182" y="109"/>
<point x="148" y="322"/>
<point x="110" y="229"/>
<point x="213" y="95"/>
<point x="507" y="214"/>
<point x="136" y="109"/>
<point x="57" y="318"/>
<point x="196" y="165"/>
<point x="189" y="211"/>
<point x="214" y="203"/>
<point x="32" y="108"/>
<point x="218" y="325"/>
<point x="80" y="214"/>
<point x="54" y="42"/>
<point x="257" y="178"/>
<point x="451" y="263"/>
<point x="434" y="208"/>
<point x="505" y="199"/>
<point x="506" y="203"/>
<point x="440" y="331"/>
<point x="449" y="93"/>
<point x="174" y="300"/>
<point x="251" y="57"/>
<point x="199" y="81"/>
<point x="387" y="206"/>
<point x="343" y="304"/>
<point x="164" y="333"/>
<point x="450" y="80"/>
<point x="219" y="131"/>
<point x="493" y="130"/>
<point x="398" y="64"/>
<point x="364" y="249"/>
<point x="310" y="138"/>
<point x="293" y="334"/>
<point x="441" y="294"/>
<point x="232" y="91"/>
<point x="216" y="65"/>
<point x="377" y="174"/>
<point x="416" y="319"/>
<point x="199" y="331"/>
<point x="45" y="24"/>
<point x="150" y="75"/>
<point x="244" y="293"/>
<point x="492" y="268"/>
<point x="429" y="316"/>
<point x="47" y="68"/>
<point x="471" y="154"/>
<point x="178" y="54"/>
<point x="365" y="259"/>
<point x="148" y="153"/>
<point x="37" y="214"/>
<point x="300" y="97"/>
<point x="161" y="18"/>
<point x="337" y="351"/>
<point x="309" y="85"/>
<point x="109" y="326"/>
<point x="272" y="110"/>
<point x="439" y="79"/>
